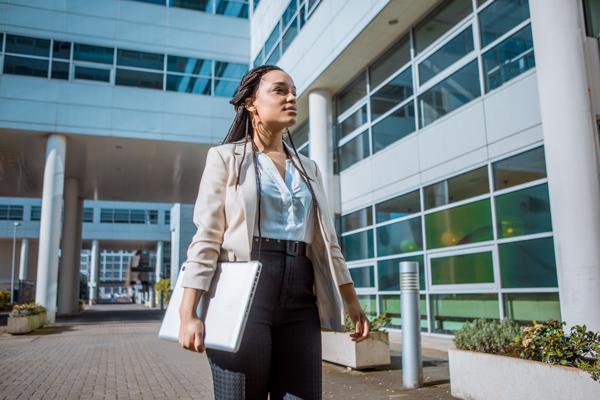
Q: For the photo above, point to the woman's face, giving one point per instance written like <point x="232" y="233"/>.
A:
<point x="275" y="101"/>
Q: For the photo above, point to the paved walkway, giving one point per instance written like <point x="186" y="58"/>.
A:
<point x="113" y="352"/>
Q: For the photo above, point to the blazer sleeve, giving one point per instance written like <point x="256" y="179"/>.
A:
<point x="209" y="218"/>
<point x="342" y="274"/>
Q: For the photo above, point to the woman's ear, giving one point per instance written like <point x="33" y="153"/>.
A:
<point x="248" y="104"/>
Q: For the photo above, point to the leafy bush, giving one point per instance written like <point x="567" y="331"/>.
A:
<point x="4" y="296"/>
<point x="25" y="309"/>
<point x="375" y="324"/>
<point x="487" y="336"/>
<point x="163" y="284"/>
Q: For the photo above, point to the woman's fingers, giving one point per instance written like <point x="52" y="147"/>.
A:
<point x="198" y="342"/>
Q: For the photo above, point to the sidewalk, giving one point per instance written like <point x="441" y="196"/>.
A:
<point x="113" y="352"/>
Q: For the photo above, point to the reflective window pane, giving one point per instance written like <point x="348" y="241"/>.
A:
<point x="352" y="93"/>
<point x="391" y="61"/>
<point x="439" y="21"/>
<point x="399" y="237"/>
<point x="237" y="9"/>
<point x="510" y="58"/>
<point x="272" y="39"/>
<point x="521" y="168"/>
<point x="274" y="57"/>
<point x="61" y="50"/>
<point x="88" y="214"/>
<point x="225" y="88"/>
<point x="389" y="272"/>
<point x="462" y="269"/>
<point x="139" y="59"/>
<point x="289" y="12"/>
<point x="391" y="304"/>
<point x="85" y="52"/>
<point x="526" y="307"/>
<point x="450" y="311"/>
<point x="188" y="84"/>
<point x="523" y="212"/>
<point x="230" y="70"/>
<point x="368" y="302"/>
<point x="500" y="17"/>
<point x="25" y="66"/>
<point x="358" y="246"/>
<point x="353" y="122"/>
<point x="393" y="93"/>
<point x="469" y="223"/>
<point x="198" y="5"/>
<point x="363" y="277"/>
<point x="393" y="127"/>
<point x="127" y="77"/>
<point x="448" y="95"/>
<point x="529" y="263"/>
<point x="27" y="45"/>
<point x="189" y="65"/>
<point x="92" y="74"/>
<point x="300" y="135"/>
<point x="357" y="219"/>
<point x="397" y="207"/>
<point x="354" y="150"/>
<point x="288" y="37"/>
<point x="60" y="70"/>
<point x="461" y="187"/>
<point x="591" y="10"/>
<point x="454" y="50"/>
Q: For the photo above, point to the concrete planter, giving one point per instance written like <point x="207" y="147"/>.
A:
<point x="475" y="375"/>
<point x="20" y="325"/>
<point x="338" y="347"/>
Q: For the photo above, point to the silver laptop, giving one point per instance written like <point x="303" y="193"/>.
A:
<point x="224" y="308"/>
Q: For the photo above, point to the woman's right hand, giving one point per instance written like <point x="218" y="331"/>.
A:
<point x="191" y="334"/>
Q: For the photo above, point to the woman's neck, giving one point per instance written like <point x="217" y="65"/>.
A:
<point x="267" y="142"/>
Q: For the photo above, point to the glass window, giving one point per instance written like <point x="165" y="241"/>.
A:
<point x="198" y="5"/>
<point x="274" y="57"/>
<point x="450" y="311"/>
<point x="462" y="269"/>
<point x="454" y="50"/>
<point x="391" y="61"/>
<point x="232" y="8"/>
<point x="288" y="37"/>
<point x="61" y="50"/>
<point x="85" y="52"/>
<point x="393" y="127"/>
<point x="461" y="187"/>
<point x="439" y="21"/>
<point x="230" y="70"/>
<point x="27" y="45"/>
<point x="523" y="212"/>
<point x="500" y="17"/>
<point x="127" y="77"/>
<point x="289" y="12"/>
<point x="521" y="168"/>
<point x="36" y="213"/>
<point x="188" y="84"/>
<point x="353" y="122"/>
<point x="389" y="272"/>
<point x="139" y="59"/>
<point x="358" y="246"/>
<point x="368" y="302"/>
<point x="25" y="66"/>
<point x="11" y="212"/>
<point x="352" y="93"/>
<point x="393" y="93"/>
<point x="529" y="263"/>
<point x="508" y="59"/>
<point x="592" y="17"/>
<point x="363" y="277"/>
<point x="397" y="207"/>
<point x="159" y="2"/>
<point x="357" y="219"/>
<point x="92" y="74"/>
<point x="187" y="65"/>
<point x="272" y="39"/>
<point x="300" y="135"/>
<point x="391" y="304"/>
<point x="60" y="70"/>
<point x="225" y="88"/>
<point x="448" y="95"/>
<point x="399" y="237"/>
<point x="526" y="307"/>
<point x="354" y="150"/>
<point x="88" y="214"/>
<point x="469" y="223"/>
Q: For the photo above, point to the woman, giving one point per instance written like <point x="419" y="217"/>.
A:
<point x="256" y="173"/>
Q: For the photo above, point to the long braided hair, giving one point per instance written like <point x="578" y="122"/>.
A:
<point x="243" y="128"/>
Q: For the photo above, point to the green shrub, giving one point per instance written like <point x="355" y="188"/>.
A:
<point x="163" y="284"/>
<point x="4" y="296"/>
<point x="375" y="324"/>
<point x="25" y="309"/>
<point x="487" y="336"/>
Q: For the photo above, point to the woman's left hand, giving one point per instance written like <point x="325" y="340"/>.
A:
<point x="360" y="320"/>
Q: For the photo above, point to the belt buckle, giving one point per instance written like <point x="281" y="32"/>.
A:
<point x="292" y="248"/>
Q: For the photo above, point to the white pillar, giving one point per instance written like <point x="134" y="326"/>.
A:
<point x="175" y="236"/>
<point x="23" y="260"/>
<point x="68" y="276"/>
<point x="77" y="249"/>
<point x="321" y="138"/>
<point x="159" y="260"/>
<point x="93" y="274"/>
<point x="50" y="225"/>
<point x="571" y="156"/>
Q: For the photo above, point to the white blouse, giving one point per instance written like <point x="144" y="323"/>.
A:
<point x="286" y="206"/>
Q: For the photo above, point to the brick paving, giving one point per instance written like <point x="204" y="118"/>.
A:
<point x="113" y="352"/>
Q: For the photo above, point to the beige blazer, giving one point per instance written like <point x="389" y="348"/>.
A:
<point x="225" y="219"/>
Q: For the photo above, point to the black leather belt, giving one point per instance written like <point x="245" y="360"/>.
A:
<point x="290" y="247"/>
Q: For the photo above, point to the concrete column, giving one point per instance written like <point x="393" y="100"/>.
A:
<point x="77" y="248"/>
<point x="50" y="225"/>
<point x="93" y="274"/>
<point x="175" y="233"/>
<point x="321" y="138"/>
<point x="159" y="260"/>
<point x="23" y="260"/>
<point x="571" y="156"/>
<point x="68" y="276"/>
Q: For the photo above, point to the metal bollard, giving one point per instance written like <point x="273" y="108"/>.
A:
<point x="412" y="366"/>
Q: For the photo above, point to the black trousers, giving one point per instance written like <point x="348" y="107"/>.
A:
<point x="280" y="352"/>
